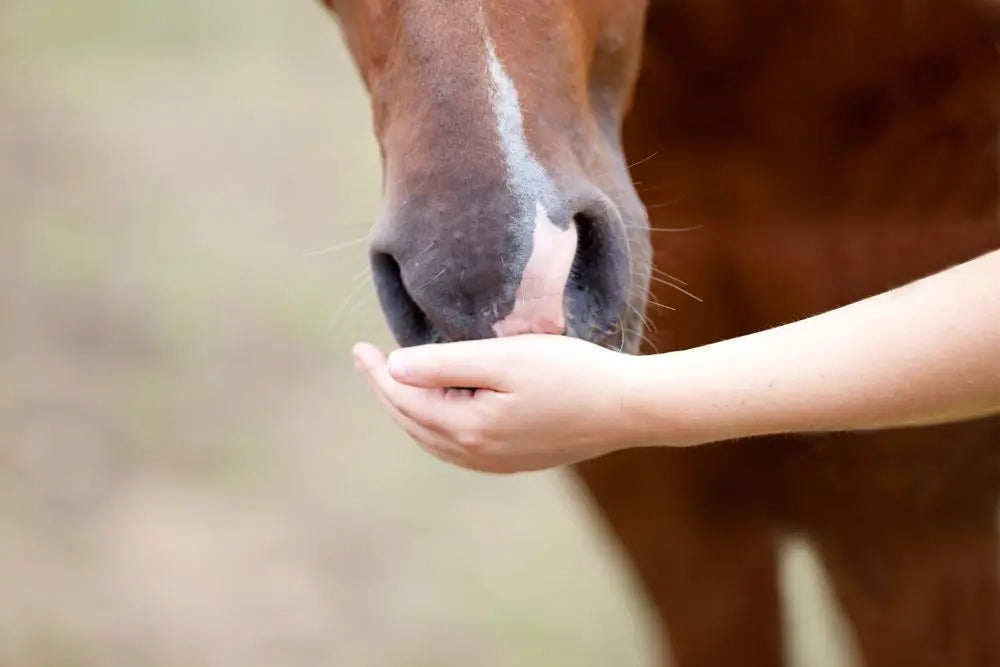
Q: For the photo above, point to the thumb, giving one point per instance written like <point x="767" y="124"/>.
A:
<point x="477" y="364"/>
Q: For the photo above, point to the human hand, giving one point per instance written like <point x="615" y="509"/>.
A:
<point x="539" y="401"/>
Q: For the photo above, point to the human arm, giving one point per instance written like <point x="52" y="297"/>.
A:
<point x="925" y="353"/>
<point x="928" y="352"/>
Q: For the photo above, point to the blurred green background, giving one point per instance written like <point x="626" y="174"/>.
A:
<point x="190" y="471"/>
<point x="191" y="474"/>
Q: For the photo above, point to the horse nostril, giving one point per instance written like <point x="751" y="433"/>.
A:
<point x="585" y="242"/>
<point x="407" y="321"/>
<point x="597" y="289"/>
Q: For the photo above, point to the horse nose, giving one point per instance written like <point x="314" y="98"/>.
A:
<point x="557" y="272"/>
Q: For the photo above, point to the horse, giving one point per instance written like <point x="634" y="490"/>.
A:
<point x="560" y="166"/>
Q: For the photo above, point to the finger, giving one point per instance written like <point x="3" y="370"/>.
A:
<point x="440" y="447"/>
<point x="446" y="411"/>
<point x="434" y="409"/>
<point x="367" y="356"/>
<point x="473" y="364"/>
<point x="430" y="441"/>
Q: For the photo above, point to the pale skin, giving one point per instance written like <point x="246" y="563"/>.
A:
<point x="925" y="353"/>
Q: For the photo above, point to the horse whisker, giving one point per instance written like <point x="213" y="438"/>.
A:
<point x="362" y="302"/>
<point x="692" y="228"/>
<point x="362" y="274"/>
<point x="676" y="287"/>
<point x="355" y="290"/>
<point x="335" y="248"/>
<point x="642" y="318"/>
<point x="648" y="341"/>
<point x="657" y="304"/>
<point x="645" y="159"/>
<point x="670" y="202"/>
<point x="428" y="283"/>
<point x="424" y="251"/>
<point x="663" y="273"/>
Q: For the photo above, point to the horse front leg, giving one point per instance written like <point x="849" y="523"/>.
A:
<point x="704" y="549"/>
<point x="906" y="524"/>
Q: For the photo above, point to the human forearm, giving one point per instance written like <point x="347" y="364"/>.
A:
<point x="928" y="352"/>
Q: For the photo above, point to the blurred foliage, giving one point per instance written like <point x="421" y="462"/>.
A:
<point x="190" y="472"/>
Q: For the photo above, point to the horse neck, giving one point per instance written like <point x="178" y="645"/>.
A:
<point x="825" y="154"/>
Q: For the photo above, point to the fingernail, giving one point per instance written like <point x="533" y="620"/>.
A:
<point x="399" y="365"/>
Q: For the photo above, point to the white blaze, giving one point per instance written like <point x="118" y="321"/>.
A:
<point x="527" y="176"/>
<point x="538" y="307"/>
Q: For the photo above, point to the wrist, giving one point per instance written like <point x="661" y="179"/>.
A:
<point x="674" y="399"/>
<point x="723" y="391"/>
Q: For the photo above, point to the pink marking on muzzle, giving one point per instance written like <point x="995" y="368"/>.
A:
<point x="538" y="303"/>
